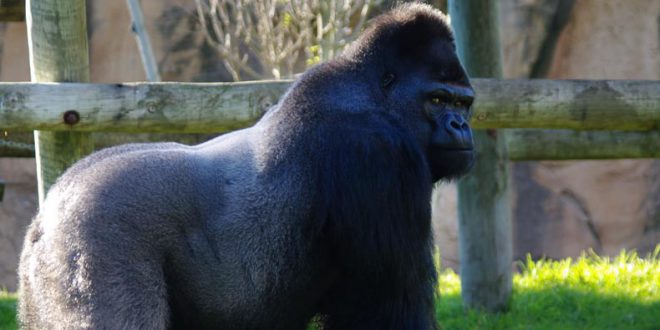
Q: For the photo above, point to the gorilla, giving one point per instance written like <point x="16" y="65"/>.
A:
<point x="319" y="213"/>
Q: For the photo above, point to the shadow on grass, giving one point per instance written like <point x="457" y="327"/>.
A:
<point x="557" y="307"/>
<point x="7" y="313"/>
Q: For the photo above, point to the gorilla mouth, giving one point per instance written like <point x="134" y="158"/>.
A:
<point x="449" y="162"/>
<point x="437" y="150"/>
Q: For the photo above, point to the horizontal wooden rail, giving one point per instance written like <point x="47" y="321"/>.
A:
<point x="630" y="105"/>
<point x="136" y="107"/>
<point x="523" y="144"/>
<point x="536" y="144"/>
<point x="218" y="107"/>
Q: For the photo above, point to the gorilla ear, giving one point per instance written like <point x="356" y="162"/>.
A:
<point x="388" y="79"/>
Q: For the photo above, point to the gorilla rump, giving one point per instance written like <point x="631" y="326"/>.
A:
<point x="320" y="209"/>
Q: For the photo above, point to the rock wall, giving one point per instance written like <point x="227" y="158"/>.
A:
<point x="603" y="205"/>
<point x="16" y="211"/>
<point x="20" y="200"/>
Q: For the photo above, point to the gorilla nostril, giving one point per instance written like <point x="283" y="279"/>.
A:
<point x="455" y="125"/>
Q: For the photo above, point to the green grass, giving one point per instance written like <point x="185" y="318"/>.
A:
<point x="7" y="311"/>
<point x="591" y="292"/>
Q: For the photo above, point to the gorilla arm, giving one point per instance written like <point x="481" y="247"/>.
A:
<point x="376" y="187"/>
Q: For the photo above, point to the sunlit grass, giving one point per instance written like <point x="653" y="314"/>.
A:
<point x="591" y="292"/>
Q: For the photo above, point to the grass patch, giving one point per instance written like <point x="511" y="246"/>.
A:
<point x="591" y="292"/>
<point x="7" y="311"/>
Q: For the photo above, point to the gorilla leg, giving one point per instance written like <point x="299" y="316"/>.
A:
<point x="399" y="309"/>
<point x="121" y="288"/>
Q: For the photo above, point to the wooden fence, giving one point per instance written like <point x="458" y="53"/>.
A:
<point x="590" y="119"/>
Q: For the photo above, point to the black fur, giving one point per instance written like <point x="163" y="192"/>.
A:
<point x="321" y="209"/>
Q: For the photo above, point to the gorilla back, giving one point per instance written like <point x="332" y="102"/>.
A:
<point x="320" y="209"/>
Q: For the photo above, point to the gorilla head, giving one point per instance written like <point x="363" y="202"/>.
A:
<point x="412" y="50"/>
<point x="320" y="209"/>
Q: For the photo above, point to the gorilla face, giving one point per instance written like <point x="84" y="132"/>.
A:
<point x="446" y="100"/>
<point x="447" y="106"/>
<point x="436" y="97"/>
<point x="450" y="150"/>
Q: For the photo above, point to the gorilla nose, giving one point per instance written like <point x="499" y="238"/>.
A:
<point x="456" y="123"/>
<point x="459" y="130"/>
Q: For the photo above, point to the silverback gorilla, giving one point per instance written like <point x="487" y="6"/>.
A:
<point x="320" y="210"/>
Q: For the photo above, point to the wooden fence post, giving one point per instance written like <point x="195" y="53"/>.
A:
<point x="57" y="40"/>
<point x="12" y="10"/>
<point x="485" y="243"/>
<point x="142" y="38"/>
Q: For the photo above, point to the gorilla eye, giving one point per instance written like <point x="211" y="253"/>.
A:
<point x="459" y="104"/>
<point x="436" y="100"/>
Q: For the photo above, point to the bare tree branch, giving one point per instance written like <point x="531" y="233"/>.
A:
<point x="259" y="39"/>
